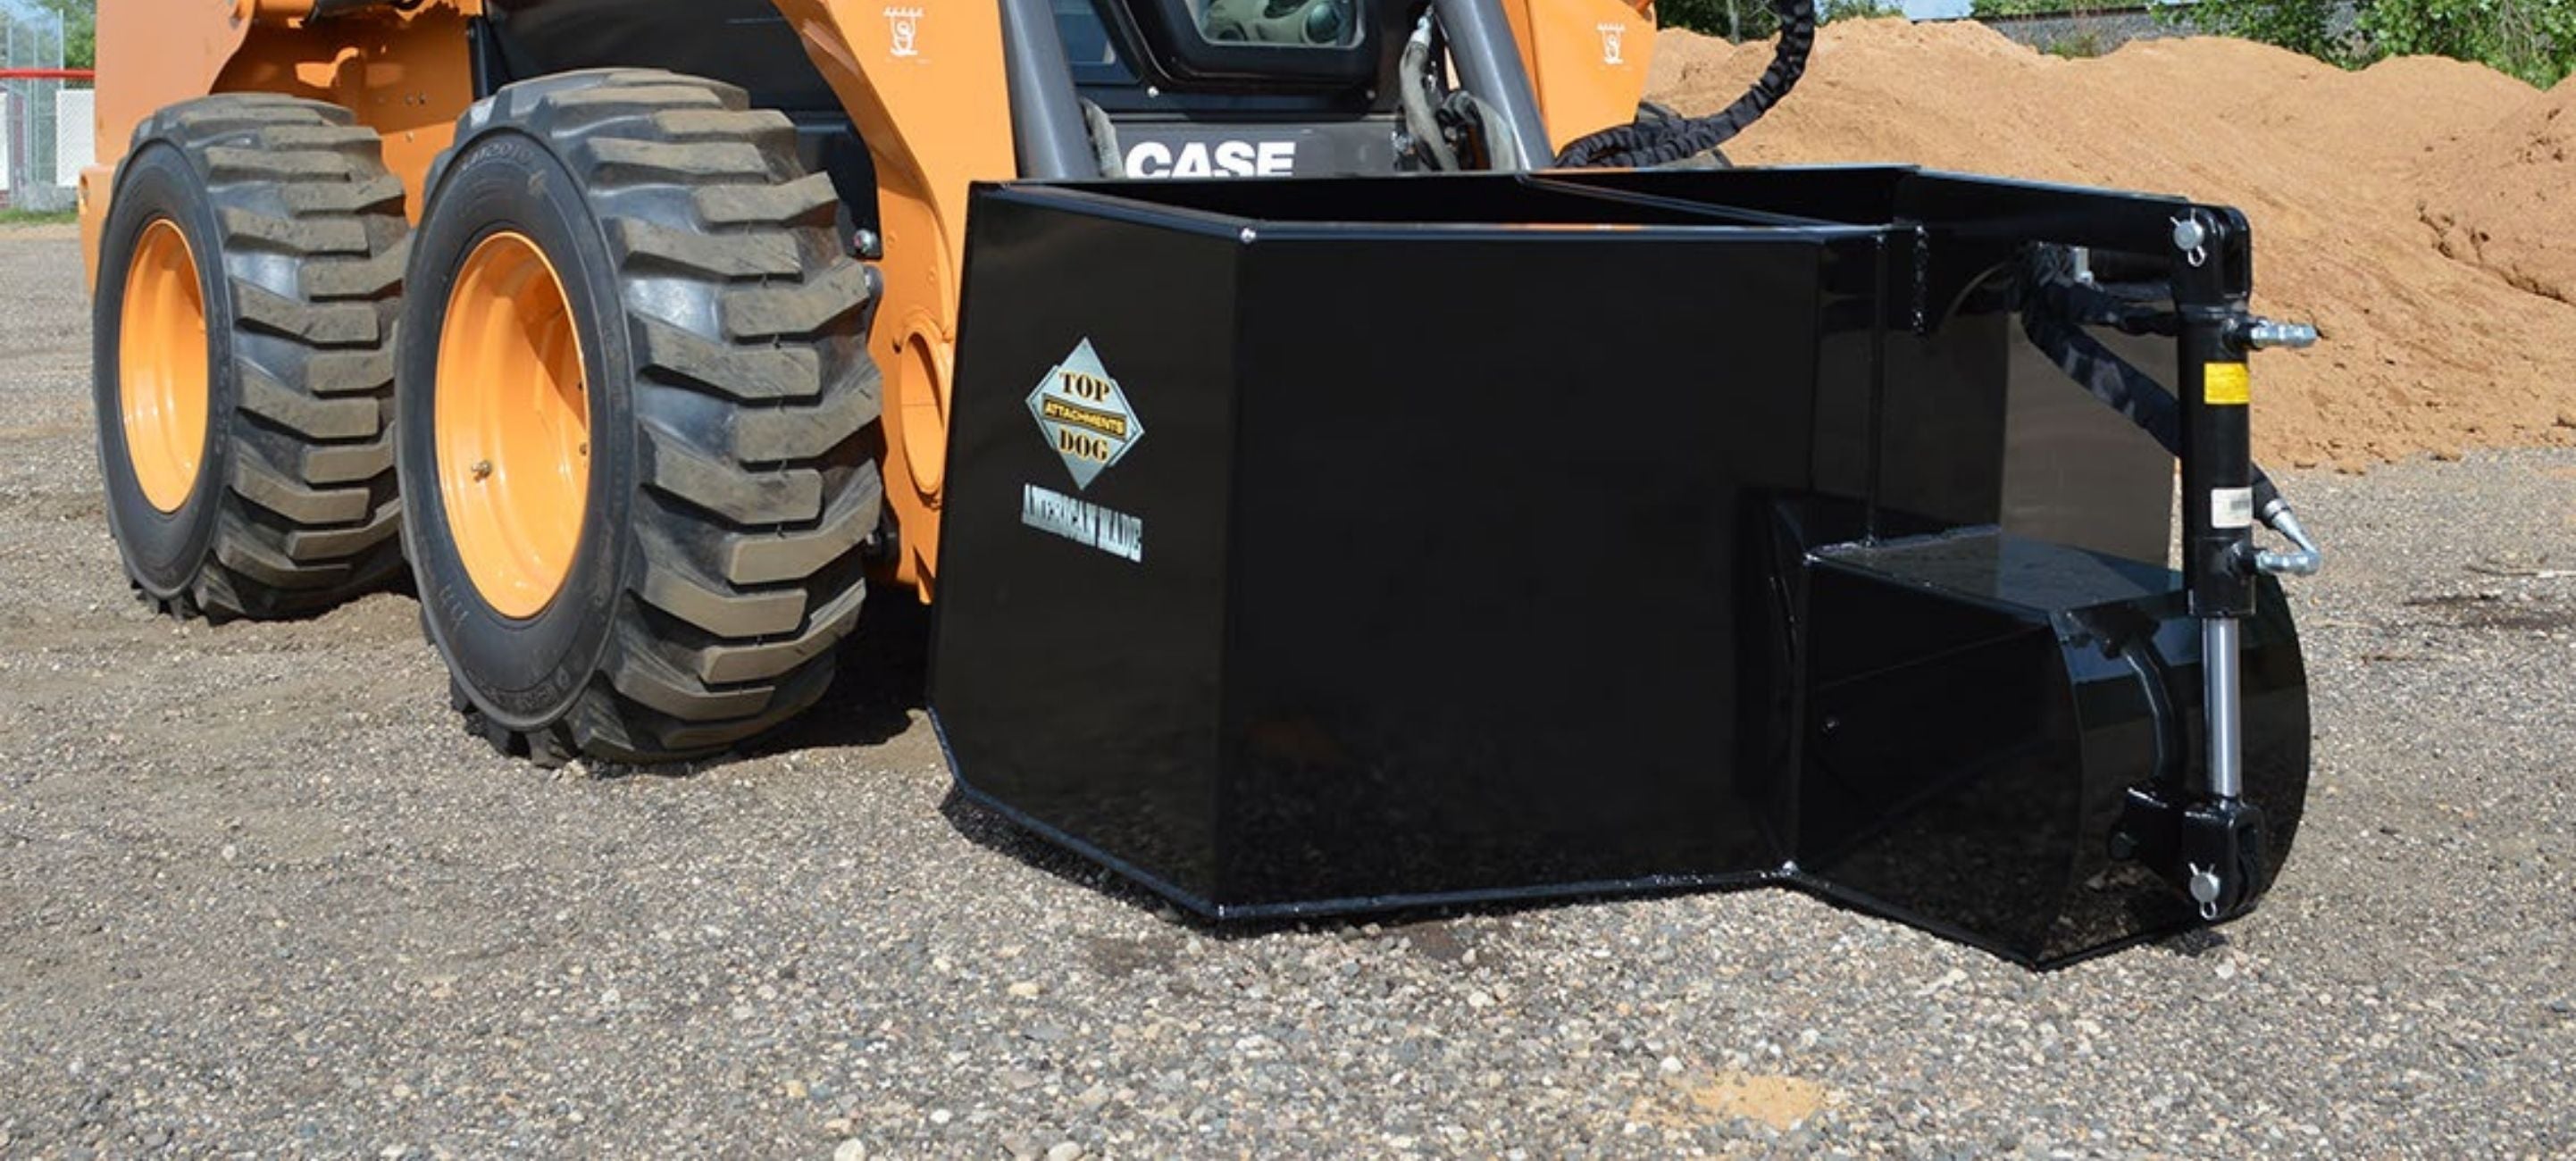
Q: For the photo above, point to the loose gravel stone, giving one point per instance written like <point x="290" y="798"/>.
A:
<point x="260" y="896"/>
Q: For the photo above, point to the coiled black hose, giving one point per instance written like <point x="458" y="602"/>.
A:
<point x="1649" y="143"/>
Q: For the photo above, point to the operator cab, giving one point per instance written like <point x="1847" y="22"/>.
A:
<point x="1242" y="88"/>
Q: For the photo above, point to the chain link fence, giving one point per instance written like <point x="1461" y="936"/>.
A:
<point x="48" y="121"/>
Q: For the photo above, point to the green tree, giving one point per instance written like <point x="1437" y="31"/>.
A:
<point x="2302" y="26"/>
<point x="1732" y="19"/>
<point x="2531" y="39"/>
<point x="1741" y="20"/>
<point x="80" y="32"/>
<point x="1989" y="9"/>
<point x="80" y="27"/>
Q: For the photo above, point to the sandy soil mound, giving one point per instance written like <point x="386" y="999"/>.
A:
<point x="2505" y="199"/>
<point x="2427" y="350"/>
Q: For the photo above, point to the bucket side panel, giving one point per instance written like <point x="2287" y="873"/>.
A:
<point x="1075" y="662"/>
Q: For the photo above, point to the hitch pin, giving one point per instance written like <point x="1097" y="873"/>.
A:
<point x="2205" y="886"/>
<point x="2191" y="237"/>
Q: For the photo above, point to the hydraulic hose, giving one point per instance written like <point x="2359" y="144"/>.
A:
<point x="2055" y="309"/>
<point x="1492" y="130"/>
<point x="1104" y="140"/>
<point x="1413" y="92"/>
<point x="1653" y="143"/>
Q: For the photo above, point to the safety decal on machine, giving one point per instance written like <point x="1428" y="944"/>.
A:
<point x="2231" y="507"/>
<point x="1084" y="415"/>
<point x="2227" y="384"/>
<point x="903" y="31"/>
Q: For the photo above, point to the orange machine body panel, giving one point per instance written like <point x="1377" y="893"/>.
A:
<point x="1587" y="60"/>
<point x="925" y="85"/>
<point x="405" y="75"/>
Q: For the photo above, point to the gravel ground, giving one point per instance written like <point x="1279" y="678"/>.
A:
<point x="259" y="894"/>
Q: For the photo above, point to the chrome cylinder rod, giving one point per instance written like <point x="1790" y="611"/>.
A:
<point x="2222" y="693"/>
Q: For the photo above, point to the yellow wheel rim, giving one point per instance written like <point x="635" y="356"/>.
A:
<point x="161" y="366"/>
<point x="513" y="421"/>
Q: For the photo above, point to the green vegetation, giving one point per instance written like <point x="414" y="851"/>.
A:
<point x="1986" y="9"/>
<point x="80" y="32"/>
<point x="32" y="218"/>
<point x="80" y="29"/>
<point x="2302" y="26"/>
<point x="2531" y="39"/>
<point x="2076" y="46"/>
<point x="1732" y="19"/>
<point x="1861" y="9"/>
<point x="1754" y="19"/>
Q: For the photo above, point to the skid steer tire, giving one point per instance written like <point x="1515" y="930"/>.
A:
<point x="730" y="470"/>
<point x="274" y="496"/>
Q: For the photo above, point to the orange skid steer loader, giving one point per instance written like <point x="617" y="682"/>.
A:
<point x="1362" y="455"/>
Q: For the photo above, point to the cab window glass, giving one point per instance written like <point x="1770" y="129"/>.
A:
<point x="1279" y="23"/>
<point x="1088" y="45"/>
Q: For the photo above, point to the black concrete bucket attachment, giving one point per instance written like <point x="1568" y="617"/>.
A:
<point x="1328" y="546"/>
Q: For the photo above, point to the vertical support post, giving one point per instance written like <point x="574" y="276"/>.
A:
<point x="1489" y="63"/>
<point x="483" y="57"/>
<point x="15" y="128"/>
<point x="2217" y="473"/>
<point x="2221" y="840"/>
<point x="1046" y="114"/>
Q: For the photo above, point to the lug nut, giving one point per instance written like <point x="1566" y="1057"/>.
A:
<point x="482" y="470"/>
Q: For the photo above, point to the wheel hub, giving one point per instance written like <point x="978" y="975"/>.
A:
<point x="162" y="366"/>
<point x="513" y="419"/>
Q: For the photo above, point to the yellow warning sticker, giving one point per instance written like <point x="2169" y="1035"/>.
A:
<point x="2227" y="384"/>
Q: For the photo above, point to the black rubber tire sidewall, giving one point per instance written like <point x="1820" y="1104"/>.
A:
<point x="524" y="673"/>
<point x="163" y="550"/>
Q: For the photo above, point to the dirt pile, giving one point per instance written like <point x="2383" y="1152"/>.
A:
<point x="2505" y="198"/>
<point x="2428" y="349"/>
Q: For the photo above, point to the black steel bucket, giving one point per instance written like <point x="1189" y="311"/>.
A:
<point x="1321" y="546"/>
